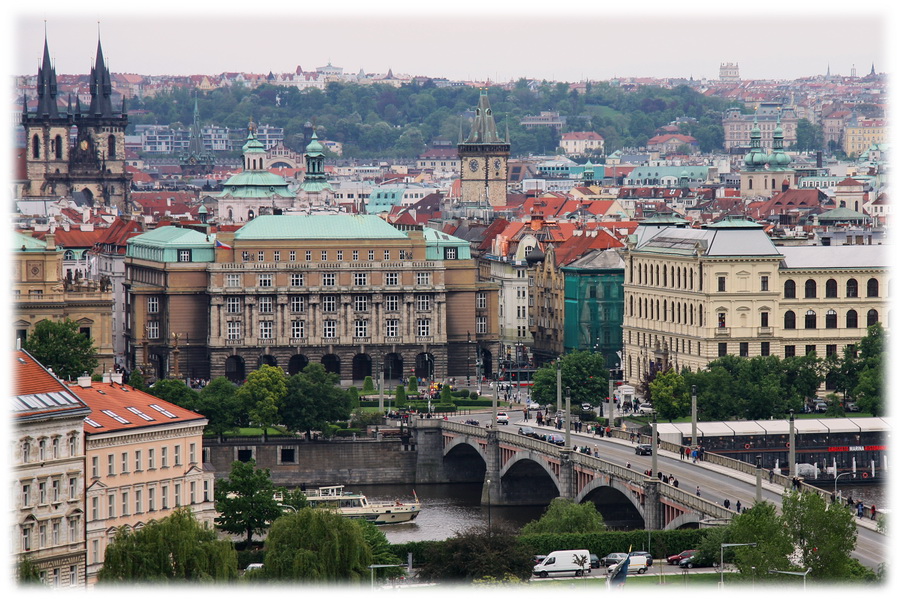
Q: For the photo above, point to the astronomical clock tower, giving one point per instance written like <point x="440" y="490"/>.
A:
<point x="483" y="157"/>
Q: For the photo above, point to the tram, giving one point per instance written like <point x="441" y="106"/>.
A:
<point x="832" y="446"/>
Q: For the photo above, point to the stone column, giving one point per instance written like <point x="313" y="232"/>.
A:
<point x="567" y="480"/>
<point x="429" y="453"/>
<point x="491" y="491"/>
<point x="654" y="519"/>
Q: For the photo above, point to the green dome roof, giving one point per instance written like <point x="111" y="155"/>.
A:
<point x="314" y="146"/>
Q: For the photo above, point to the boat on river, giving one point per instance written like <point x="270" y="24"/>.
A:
<point x="356" y="506"/>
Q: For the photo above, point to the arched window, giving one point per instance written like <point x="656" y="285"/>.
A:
<point x="691" y="282"/>
<point x="665" y="276"/>
<point x="810" y="319"/>
<point x="656" y="314"/>
<point x="852" y="288"/>
<point x="35" y="147"/>
<point x="831" y="288"/>
<point x="111" y="146"/>
<point x="59" y="148"/>
<point x="631" y="306"/>
<point x="872" y="288"/>
<point x="790" y="320"/>
<point x="656" y="276"/>
<point x="871" y="317"/>
<point x="69" y="255"/>
<point x="790" y="289"/>
<point x="831" y="319"/>
<point x="851" y="319"/>
<point x="810" y="288"/>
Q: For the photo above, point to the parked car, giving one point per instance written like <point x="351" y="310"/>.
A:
<point x="534" y="406"/>
<point x="851" y="407"/>
<point x="645" y="409"/>
<point x="528" y="432"/>
<point x="820" y="407"/>
<point x="677" y="558"/>
<point x="645" y="554"/>
<point x="595" y="561"/>
<point x="614" y="558"/>
<point x="636" y="564"/>
<point x="502" y="418"/>
<point x="586" y="407"/>
<point x="555" y="438"/>
<point x="643" y="449"/>
<point x="694" y="560"/>
<point x="562" y="561"/>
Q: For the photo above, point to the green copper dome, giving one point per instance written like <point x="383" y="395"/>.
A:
<point x="314" y="146"/>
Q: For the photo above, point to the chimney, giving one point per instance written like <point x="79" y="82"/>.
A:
<point x="116" y="377"/>
<point x="819" y="159"/>
<point x="106" y="378"/>
<point x="84" y="381"/>
<point x="51" y="241"/>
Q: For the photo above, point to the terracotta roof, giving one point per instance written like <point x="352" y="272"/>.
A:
<point x="577" y="245"/>
<point x="108" y="401"/>
<point x="74" y="238"/>
<point x="582" y="135"/>
<point x="37" y="392"/>
<point x="848" y="182"/>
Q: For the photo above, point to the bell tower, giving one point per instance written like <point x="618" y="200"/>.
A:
<point x="483" y="159"/>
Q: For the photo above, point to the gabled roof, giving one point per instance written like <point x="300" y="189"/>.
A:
<point x="581" y="242"/>
<point x="118" y="407"/>
<point x="37" y="393"/>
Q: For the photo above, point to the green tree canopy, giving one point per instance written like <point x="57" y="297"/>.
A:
<point x="176" y="548"/>
<point x="218" y="402"/>
<point x="175" y="391"/>
<point x="313" y="398"/>
<point x="478" y="553"/>
<point x="60" y="346"/>
<point x="317" y="545"/>
<point x="670" y="395"/>
<point x="565" y="516"/>
<point x="583" y="372"/>
<point x="823" y="532"/>
<point x="246" y="500"/>
<point x="137" y="381"/>
<point x="261" y="396"/>
<point x="761" y="524"/>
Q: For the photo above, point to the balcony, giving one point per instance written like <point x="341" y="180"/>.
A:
<point x="723" y="332"/>
<point x="765" y="331"/>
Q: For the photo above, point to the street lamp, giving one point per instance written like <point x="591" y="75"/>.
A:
<point x="694" y="415"/>
<point x="381" y="389"/>
<point x="653" y="443"/>
<point x="792" y="452"/>
<point x="758" y="478"/>
<point x="839" y="476"/>
<point x="568" y="418"/>
<point x="488" y="482"/>
<point x="722" y="560"/>
<point x="803" y="575"/>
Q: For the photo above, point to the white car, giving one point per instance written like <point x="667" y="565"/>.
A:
<point x="534" y="406"/>
<point x="502" y="418"/>
<point x="645" y="409"/>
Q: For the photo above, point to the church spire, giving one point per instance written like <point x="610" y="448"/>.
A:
<point x="484" y="129"/>
<point x="46" y="86"/>
<point x="101" y="86"/>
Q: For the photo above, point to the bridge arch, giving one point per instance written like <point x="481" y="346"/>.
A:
<point x="464" y="461"/>
<point x="619" y="504"/>
<point x="684" y="521"/>
<point x="527" y="478"/>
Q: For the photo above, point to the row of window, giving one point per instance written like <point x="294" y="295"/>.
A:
<point x="851" y="289"/>
<point x="234" y="329"/>
<point x="329" y="279"/>
<point x="676" y="277"/>
<point x="789" y="350"/>
<point x="123" y="503"/>
<point x="831" y="319"/>
<point x="329" y="303"/>
<point x="49" y="448"/>
<point x="122" y="460"/>
<point x="49" y="533"/>
<point x="276" y="255"/>
<point x="49" y="491"/>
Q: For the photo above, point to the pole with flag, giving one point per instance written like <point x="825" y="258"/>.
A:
<point x="618" y="574"/>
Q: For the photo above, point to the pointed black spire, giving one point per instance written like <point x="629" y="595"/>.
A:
<point x="101" y="87"/>
<point x="46" y="86"/>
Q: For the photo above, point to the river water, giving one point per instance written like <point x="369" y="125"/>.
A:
<point x="451" y="508"/>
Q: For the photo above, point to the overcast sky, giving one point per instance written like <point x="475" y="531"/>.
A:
<point x="477" y="40"/>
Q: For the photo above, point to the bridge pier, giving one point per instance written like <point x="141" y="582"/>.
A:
<point x="430" y="454"/>
<point x="492" y="491"/>
<point x="567" y="479"/>
<point x="654" y="517"/>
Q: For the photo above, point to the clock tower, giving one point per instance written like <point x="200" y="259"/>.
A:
<point x="483" y="157"/>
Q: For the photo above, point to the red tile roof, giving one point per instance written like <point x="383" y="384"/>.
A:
<point x="118" y="398"/>
<point x="31" y="379"/>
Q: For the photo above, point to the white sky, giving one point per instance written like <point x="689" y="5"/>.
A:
<point x="465" y="40"/>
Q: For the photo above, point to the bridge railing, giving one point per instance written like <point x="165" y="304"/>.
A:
<point x="529" y="443"/>
<point x="698" y="503"/>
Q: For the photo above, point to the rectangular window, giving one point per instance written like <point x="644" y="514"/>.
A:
<point x="721" y="317"/>
<point x="54" y="535"/>
<point x="151" y="499"/>
<point x="124" y="462"/>
<point x="423" y="327"/>
<point x="95" y="466"/>
<point x="371" y="255"/>
<point x="790" y="351"/>
<point x="810" y="349"/>
<point x="324" y="255"/>
<point x="764" y="349"/>
<point x="392" y="327"/>
<point x="26" y="495"/>
<point x="152" y="330"/>
<point x="73" y="445"/>
<point x="193" y="497"/>
<point x="152" y="304"/>
<point x="298" y="304"/>
<point x="165" y="457"/>
<point x="392" y="303"/>
<point x="125" y="512"/>
<point x="110" y="464"/>
<point x="73" y="529"/>
<point x="276" y="256"/>
<point x="184" y="255"/>
<point x="480" y="324"/>
<point x="387" y="255"/>
<point x="233" y="331"/>
<point x="298" y="279"/>
<point x="298" y="329"/>
<point x="111" y="506"/>
<point x="361" y="303"/>
<point x="265" y="330"/>
<point x="293" y="256"/>
<point x="328" y="279"/>
<point x="356" y="255"/>
<point x="830" y="350"/>
<point x="265" y="303"/>
<point x="151" y="458"/>
<point x="450" y="253"/>
<point x="480" y="300"/>
<point x="177" y="454"/>
<point x="329" y="328"/>
<point x="42" y="492"/>
<point x="745" y="349"/>
<point x="340" y="255"/>
<point x="164" y="497"/>
<point x="192" y="453"/>
<point x="423" y="278"/>
<point x="265" y="280"/>
<point x="723" y="348"/>
<point x="721" y="280"/>
<point x="360" y="279"/>
<point x="73" y="488"/>
<point x="392" y="278"/>
<point x="233" y="280"/>
<point x="423" y="302"/>
<point x="764" y="283"/>
<point x="233" y="304"/>
<point x="329" y="303"/>
<point x="763" y="319"/>
<point x="138" y="501"/>
<point x="42" y="536"/>
<point x="261" y="256"/>
<point x="308" y="255"/>
<point x="361" y="328"/>
<point x="177" y="494"/>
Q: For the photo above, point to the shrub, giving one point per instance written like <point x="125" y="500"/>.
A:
<point x="413" y="385"/>
<point x="445" y="408"/>
<point x="473" y="395"/>
<point x="354" y="397"/>
<point x="401" y="396"/>
<point x="368" y="384"/>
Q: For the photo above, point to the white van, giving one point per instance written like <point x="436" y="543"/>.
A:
<point x="636" y="564"/>
<point x="564" y="561"/>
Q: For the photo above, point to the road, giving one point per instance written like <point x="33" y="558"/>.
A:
<point x="716" y="483"/>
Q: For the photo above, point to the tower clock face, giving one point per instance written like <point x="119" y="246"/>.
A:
<point x="497" y="164"/>
<point x="473" y="165"/>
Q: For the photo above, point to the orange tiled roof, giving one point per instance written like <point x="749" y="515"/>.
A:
<point x="33" y="386"/>
<point x="110" y="400"/>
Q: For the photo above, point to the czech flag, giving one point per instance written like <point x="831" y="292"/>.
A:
<point x="222" y="245"/>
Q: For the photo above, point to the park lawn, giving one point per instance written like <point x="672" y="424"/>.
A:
<point x="642" y="581"/>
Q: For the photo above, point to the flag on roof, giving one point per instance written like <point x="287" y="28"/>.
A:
<point x="222" y="245"/>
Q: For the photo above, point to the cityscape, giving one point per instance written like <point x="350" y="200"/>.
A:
<point x="655" y="304"/>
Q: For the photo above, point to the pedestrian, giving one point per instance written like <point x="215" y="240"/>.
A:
<point x="596" y="451"/>
<point x="628" y="465"/>
<point x="681" y="452"/>
<point x="694" y="455"/>
<point x="675" y="483"/>
<point x="771" y="475"/>
<point x="873" y="512"/>
<point x="607" y="431"/>
<point x="698" y="490"/>
<point x="727" y="503"/>
<point x="540" y="419"/>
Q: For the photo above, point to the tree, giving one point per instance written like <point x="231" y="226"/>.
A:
<point x="413" y="386"/>
<point x="61" y="347"/>
<point x="368" y="384"/>
<point x="176" y="548"/>
<point x="137" y="381"/>
<point x="313" y="399"/>
<point x="400" y="396"/>
<point x="261" y="396"/>
<point x="175" y="391"/>
<point x="824" y="534"/>
<point x="761" y="524"/>
<point x="869" y="390"/>
<point x="316" y="545"/>
<point x="583" y="372"/>
<point x="669" y="395"/>
<point x="565" y="516"/>
<point x="246" y="500"/>
<point x="218" y="402"/>
<point x="27" y="573"/>
<point x="478" y="553"/>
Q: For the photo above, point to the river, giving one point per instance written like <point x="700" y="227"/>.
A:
<point x="451" y="508"/>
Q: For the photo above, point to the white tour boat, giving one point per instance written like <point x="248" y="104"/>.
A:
<point x="357" y="506"/>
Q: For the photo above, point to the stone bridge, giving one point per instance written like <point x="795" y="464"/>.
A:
<point x="518" y="470"/>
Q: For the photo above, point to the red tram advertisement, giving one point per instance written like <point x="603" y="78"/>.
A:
<point x="825" y="448"/>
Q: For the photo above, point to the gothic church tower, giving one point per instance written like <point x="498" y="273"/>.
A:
<point x="483" y="159"/>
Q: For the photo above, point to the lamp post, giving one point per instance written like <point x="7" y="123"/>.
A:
<point x="494" y="403"/>
<point x="694" y="415"/>
<point x="468" y="358"/>
<point x="381" y="389"/>
<point x="758" y="478"/>
<point x="558" y="385"/>
<point x="792" y="452"/>
<point x="488" y="482"/>
<point x="803" y="575"/>
<point x="722" y="560"/>
<point x="839" y="476"/>
<point x="568" y="420"/>
<point x="653" y="444"/>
